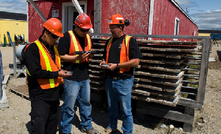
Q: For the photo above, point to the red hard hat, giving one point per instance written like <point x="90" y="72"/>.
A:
<point x="54" y="26"/>
<point x="83" y="21"/>
<point x="116" y="19"/>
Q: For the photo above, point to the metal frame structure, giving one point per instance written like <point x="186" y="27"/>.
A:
<point x="203" y="66"/>
<point x="187" y="105"/>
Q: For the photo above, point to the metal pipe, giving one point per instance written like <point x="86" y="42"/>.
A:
<point x="78" y="7"/>
<point x="37" y="10"/>
<point x="151" y="18"/>
<point x="14" y="58"/>
<point x="157" y="36"/>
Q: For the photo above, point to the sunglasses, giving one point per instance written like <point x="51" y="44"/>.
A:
<point x="84" y="30"/>
<point x="112" y="28"/>
<point x="54" y="36"/>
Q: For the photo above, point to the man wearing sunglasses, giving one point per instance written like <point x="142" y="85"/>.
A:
<point x="44" y="78"/>
<point x="77" y="86"/>
<point x="122" y="55"/>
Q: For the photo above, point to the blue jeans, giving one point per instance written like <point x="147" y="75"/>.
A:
<point x="73" y="90"/>
<point x="120" y="91"/>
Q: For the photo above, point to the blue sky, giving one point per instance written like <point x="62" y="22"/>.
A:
<point x="206" y="13"/>
<point x="17" y="6"/>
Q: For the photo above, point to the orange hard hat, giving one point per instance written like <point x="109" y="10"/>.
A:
<point x="54" y="26"/>
<point x="116" y="19"/>
<point x="83" y="21"/>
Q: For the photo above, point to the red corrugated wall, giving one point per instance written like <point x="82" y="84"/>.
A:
<point x="35" y="22"/>
<point x="136" y="11"/>
<point x="165" y="13"/>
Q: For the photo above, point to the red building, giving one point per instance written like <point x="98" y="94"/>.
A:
<point x="153" y="17"/>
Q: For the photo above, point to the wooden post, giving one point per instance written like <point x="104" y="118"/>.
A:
<point x="188" y="127"/>
<point x="203" y="71"/>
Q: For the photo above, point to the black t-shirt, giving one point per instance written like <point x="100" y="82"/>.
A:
<point x="80" y="70"/>
<point x="114" y="55"/>
<point x="32" y="61"/>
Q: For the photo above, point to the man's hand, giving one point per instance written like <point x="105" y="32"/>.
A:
<point x="91" y="55"/>
<point x="82" y="56"/>
<point x="112" y="67"/>
<point x="103" y="62"/>
<point x="63" y="73"/>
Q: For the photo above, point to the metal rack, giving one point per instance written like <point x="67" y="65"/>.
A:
<point x="171" y="75"/>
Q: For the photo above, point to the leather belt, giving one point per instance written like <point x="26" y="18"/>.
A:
<point x="119" y="78"/>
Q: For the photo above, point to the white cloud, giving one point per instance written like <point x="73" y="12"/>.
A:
<point x="208" y="20"/>
<point x="23" y="1"/>
<point x="186" y="3"/>
<point x="15" y="6"/>
<point x="208" y="11"/>
<point x="5" y="4"/>
<point x="205" y="19"/>
<point x="183" y="2"/>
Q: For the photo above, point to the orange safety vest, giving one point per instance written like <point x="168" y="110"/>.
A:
<point x="48" y="64"/>
<point x="76" y="46"/>
<point x="124" y="52"/>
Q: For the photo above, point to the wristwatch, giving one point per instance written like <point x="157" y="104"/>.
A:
<point x="117" y="65"/>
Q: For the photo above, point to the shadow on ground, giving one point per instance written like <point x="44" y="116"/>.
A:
<point x="100" y="117"/>
<point x="219" y="55"/>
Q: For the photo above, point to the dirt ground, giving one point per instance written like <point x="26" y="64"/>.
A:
<point x="16" y="119"/>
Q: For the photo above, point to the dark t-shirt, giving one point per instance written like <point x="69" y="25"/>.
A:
<point x="114" y="55"/>
<point x="80" y="71"/>
<point x="32" y="61"/>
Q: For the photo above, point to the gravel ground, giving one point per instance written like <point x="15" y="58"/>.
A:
<point x="16" y="119"/>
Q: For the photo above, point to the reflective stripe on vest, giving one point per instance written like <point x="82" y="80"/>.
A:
<point x="124" y="52"/>
<point x="48" y="64"/>
<point x="76" y="46"/>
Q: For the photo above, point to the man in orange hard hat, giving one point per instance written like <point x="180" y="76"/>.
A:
<point x="122" y="55"/>
<point x="77" y="86"/>
<point x="44" y="78"/>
